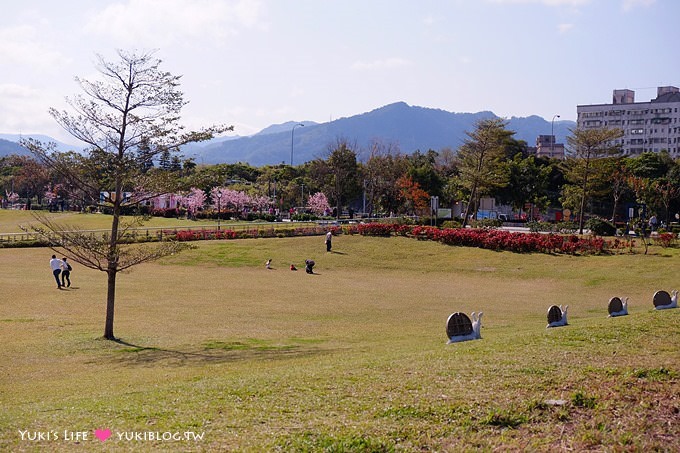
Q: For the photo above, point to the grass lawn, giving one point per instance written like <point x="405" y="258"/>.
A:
<point x="11" y="220"/>
<point x="351" y="359"/>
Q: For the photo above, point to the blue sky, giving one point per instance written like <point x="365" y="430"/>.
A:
<point x="253" y="63"/>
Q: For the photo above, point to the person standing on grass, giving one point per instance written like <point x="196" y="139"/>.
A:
<point x="65" y="273"/>
<point x="329" y="239"/>
<point x="55" y="264"/>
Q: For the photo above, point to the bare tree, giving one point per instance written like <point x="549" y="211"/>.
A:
<point x="129" y="116"/>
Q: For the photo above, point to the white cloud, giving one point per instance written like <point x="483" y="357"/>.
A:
<point x="163" y="22"/>
<point x="15" y="91"/>
<point x="388" y="63"/>
<point x="429" y="20"/>
<point x="564" y="28"/>
<point x="630" y="4"/>
<point x="572" y="3"/>
<point x="23" y="108"/>
<point x="21" y="45"/>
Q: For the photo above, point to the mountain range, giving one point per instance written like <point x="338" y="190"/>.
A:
<point x="409" y="128"/>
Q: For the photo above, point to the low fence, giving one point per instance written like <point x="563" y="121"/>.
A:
<point x="160" y="232"/>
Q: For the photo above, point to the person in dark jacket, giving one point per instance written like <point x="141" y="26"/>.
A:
<point x="65" y="273"/>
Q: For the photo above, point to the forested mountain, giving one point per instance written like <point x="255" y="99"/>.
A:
<point x="409" y="128"/>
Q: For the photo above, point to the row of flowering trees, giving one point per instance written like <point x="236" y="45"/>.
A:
<point x="234" y="200"/>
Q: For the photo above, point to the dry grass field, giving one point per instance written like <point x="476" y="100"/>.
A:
<point x="353" y="358"/>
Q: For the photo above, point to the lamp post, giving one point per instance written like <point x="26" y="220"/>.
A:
<point x="292" y="135"/>
<point x="302" y="192"/>
<point x="218" y="194"/>
<point x="552" y="135"/>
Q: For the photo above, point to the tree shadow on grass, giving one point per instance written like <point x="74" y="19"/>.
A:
<point x="212" y="352"/>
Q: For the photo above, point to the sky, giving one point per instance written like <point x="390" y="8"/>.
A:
<point x="254" y="63"/>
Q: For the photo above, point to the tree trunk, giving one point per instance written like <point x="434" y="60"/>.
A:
<point x="583" y="195"/>
<point x="110" y="301"/>
<point x="614" y="209"/>
<point x="112" y="265"/>
<point x="469" y="204"/>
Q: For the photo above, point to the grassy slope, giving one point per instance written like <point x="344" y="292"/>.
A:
<point x="353" y="358"/>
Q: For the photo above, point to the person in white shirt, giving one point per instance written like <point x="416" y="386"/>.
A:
<point x="329" y="239"/>
<point x="55" y="264"/>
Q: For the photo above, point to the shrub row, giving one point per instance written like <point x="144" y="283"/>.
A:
<point x="497" y="239"/>
<point x="198" y="235"/>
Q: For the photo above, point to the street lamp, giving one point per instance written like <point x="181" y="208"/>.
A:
<point x="218" y="194"/>
<point x="292" y="135"/>
<point x="552" y="135"/>
<point x="302" y="199"/>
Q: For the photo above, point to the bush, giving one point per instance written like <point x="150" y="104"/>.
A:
<point x="167" y="213"/>
<point x="454" y="223"/>
<point x="566" y="227"/>
<point x="304" y="217"/>
<point x="538" y="227"/>
<point x="376" y="229"/>
<point x="487" y="223"/>
<point x="665" y="240"/>
<point x="600" y="227"/>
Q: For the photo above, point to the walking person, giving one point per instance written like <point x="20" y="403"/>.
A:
<point x="65" y="273"/>
<point x="652" y="223"/>
<point x="329" y="239"/>
<point x="55" y="264"/>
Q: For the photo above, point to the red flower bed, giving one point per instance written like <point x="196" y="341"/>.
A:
<point x="665" y="239"/>
<point x="493" y="239"/>
<point x="463" y="237"/>
<point x="375" y="229"/>
<point x="212" y="234"/>
<point x="197" y="235"/>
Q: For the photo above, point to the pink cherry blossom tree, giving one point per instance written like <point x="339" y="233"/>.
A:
<point x="12" y="197"/>
<point x="318" y="203"/>
<point x="228" y="198"/>
<point x="193" y="201"/>
<point x="50" y="193"/>
<point x="260" y="203"/>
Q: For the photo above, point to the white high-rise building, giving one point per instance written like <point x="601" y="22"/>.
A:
<point x="647" y="126"/>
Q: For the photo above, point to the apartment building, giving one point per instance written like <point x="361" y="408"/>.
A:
<point x="546" y="147"/>
<point x="648" y="126"/>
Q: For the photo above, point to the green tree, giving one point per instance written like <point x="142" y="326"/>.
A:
<point x="527" y="183"/>
<point x="344" y="175"/>
<point x="481" y="161"/>
<point x="423" y="170"/>
<point x="135" y="105"/>
<point x="586" y="146"/>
